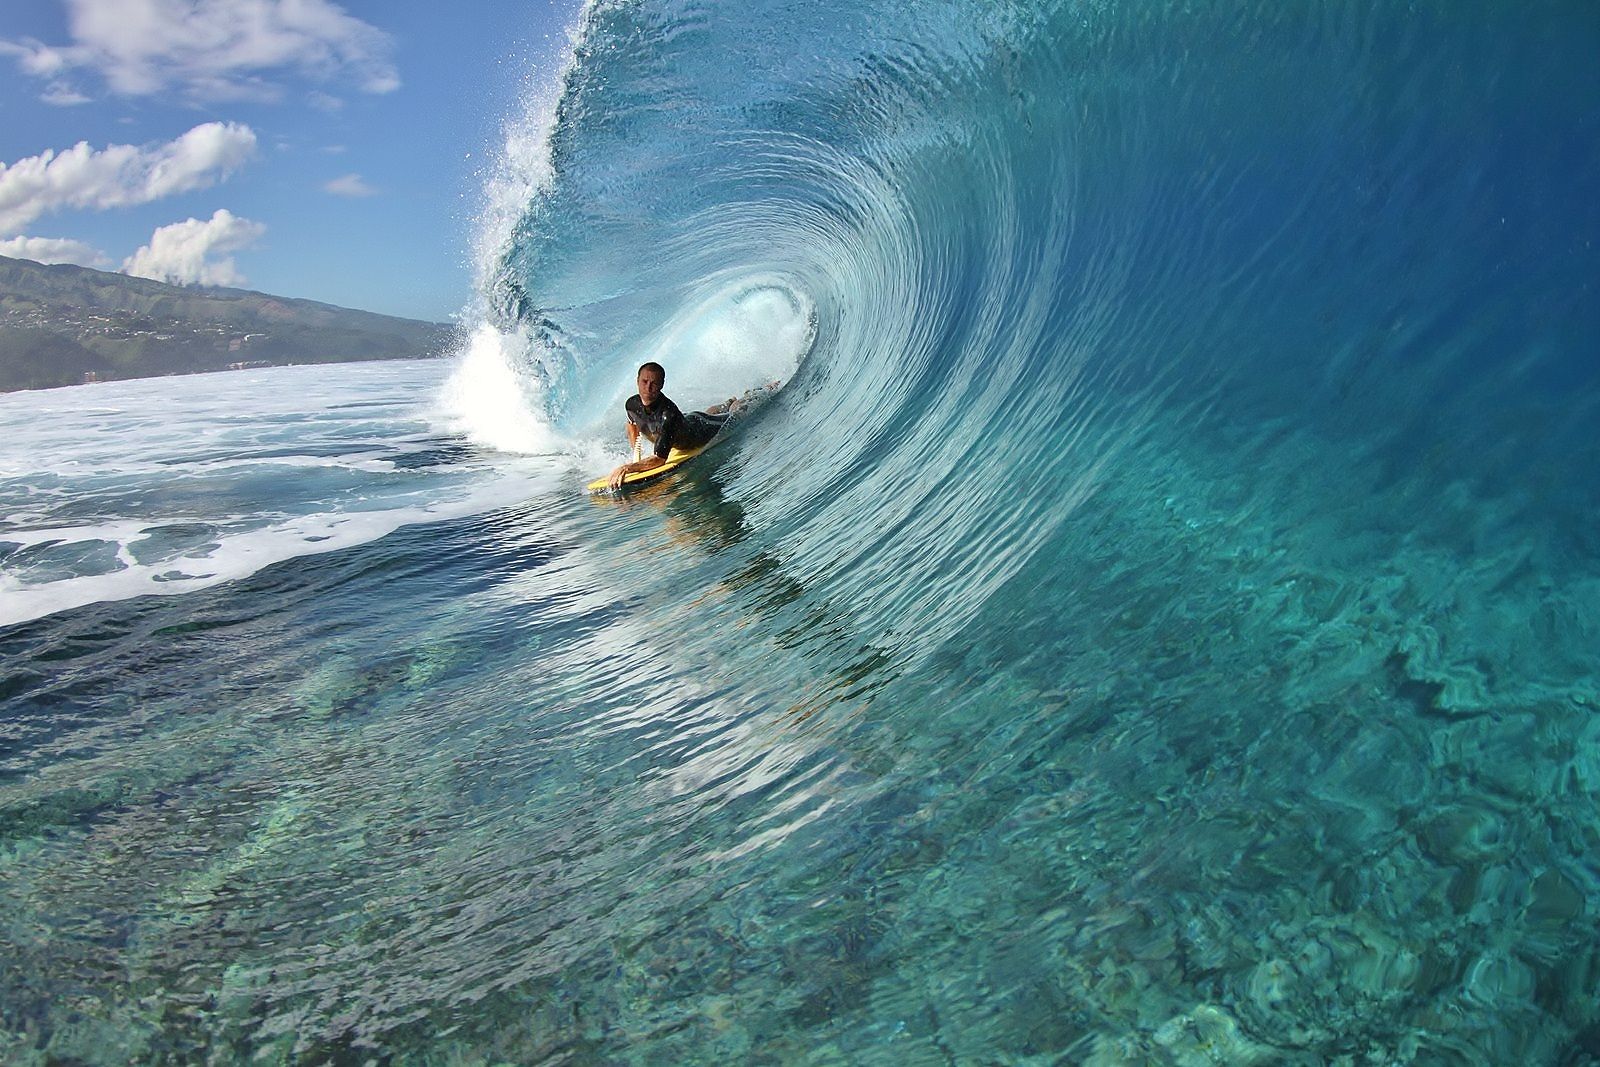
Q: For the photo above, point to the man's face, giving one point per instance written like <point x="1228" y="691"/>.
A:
<point x="650" y="384"/>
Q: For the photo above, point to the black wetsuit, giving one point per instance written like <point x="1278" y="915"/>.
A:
<point x="670" y="428"/>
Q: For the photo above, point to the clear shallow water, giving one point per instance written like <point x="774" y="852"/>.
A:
<point x="1154" y="624"/>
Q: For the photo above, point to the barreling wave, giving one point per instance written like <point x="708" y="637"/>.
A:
<point x="1010" y="254"/>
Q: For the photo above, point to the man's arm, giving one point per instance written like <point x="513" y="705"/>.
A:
<point x="648" y="462"/>
<point x="664" y="441"/>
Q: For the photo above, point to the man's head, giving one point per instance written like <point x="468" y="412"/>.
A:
<point x="652" y="376"/>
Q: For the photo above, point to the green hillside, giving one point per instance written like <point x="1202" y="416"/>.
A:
<point x="61" y="325"/>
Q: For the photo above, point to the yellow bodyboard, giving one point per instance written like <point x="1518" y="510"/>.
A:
<point x="675" y="457"/>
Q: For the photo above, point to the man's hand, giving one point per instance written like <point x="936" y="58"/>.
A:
<point x="638" y="466"/>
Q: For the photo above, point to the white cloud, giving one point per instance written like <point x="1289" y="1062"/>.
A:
<point x="120" y="174"/>
<point x="55" y="250"/>
<point x="182" y="253"/>
<point x="350" y="185"/>
<point x="214" y="49"/>
<point x="34" y="58"/>
<point x="60" y="94"/>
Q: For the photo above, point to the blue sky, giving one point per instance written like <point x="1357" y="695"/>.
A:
<point x="330" y="150"/>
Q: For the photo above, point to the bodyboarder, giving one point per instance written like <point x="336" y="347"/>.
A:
<point x="652" y="414"/>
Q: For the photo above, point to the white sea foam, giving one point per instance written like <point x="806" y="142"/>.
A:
<point x="227" y="557"/>
<point x="184" y="483"/>
<point x="490" y="403"/>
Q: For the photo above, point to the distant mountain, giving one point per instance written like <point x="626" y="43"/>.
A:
<point x="61" y="325"/>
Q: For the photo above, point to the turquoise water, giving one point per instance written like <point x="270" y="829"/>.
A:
<point x="1154" y="623"/>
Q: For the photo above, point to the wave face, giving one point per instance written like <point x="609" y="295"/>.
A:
<point x="1190" y="260"/>
<point x="1154" y="623"/>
